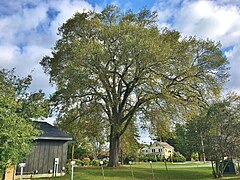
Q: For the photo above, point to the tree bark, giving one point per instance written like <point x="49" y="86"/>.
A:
<point x="213" y="170"/>
<point x="114" y="149"/>
<point x="218" y="168"/>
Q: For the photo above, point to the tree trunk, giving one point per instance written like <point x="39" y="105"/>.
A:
<point x="114" y="149"/>
<point x="218" y="168"/>
<point x="122" y="157"/>
<point x="213" y="170"/>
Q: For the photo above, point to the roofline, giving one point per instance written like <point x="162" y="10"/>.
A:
<point x="163" y="144"/>
<point x="56" y="138"/>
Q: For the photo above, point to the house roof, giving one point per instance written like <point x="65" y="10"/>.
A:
<point x="164" y="144"/>
<point x="51" y="132"/>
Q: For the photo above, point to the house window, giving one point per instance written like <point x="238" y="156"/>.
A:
<point x="153" y="150"/>
<point x="159" y="150"/>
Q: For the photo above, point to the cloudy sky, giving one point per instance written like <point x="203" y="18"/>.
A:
<point x="28" y="29"/>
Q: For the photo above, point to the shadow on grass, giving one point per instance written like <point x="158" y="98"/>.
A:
<point x="124" y="173"/>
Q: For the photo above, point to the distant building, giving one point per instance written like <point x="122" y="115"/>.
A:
<point x="158" y="149"/>
<point x="49" y="155"/>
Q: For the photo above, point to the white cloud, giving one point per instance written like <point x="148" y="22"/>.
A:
<point x="217" y="20"/>
<point x="234" y="80"/>
<point x="166" y="11"/>
<point x="208" y="19"/>
<point x="28" y="33"/>
<point x="7" y="55"/>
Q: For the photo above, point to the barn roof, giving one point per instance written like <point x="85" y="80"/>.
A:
<point x="51" y="132"/>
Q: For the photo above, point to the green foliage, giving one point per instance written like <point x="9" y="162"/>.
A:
<point x="79" y="152"/>
<point x="69" y="168"/>
<point x="219" y="127"/>
<point x="79" y="162"/>
<point x="160" y="125"/>
<point x="178" y="157"/>
<point x="88" y="162"/>
<point x="195" y="156"/>
<point x="142" y="158"/>
<point x="110" y="66"/>
<point x="129" y="145"/>
<point x="17" y="109"/>
<point x="95" y="162"/>
<point x="151" y="158"/>
<point x="181" y="141"/>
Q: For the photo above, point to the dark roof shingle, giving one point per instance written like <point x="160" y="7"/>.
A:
<point x="51" y="132"/>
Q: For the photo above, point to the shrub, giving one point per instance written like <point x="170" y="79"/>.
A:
<point x="105" y="162"/>
<point x="95" y="162"/>
<point x="78" y="162"/>
<point x="152" y="158"/>
<point x="195" y="156"/>
<point x="68" y="168"/>
<point x="86" y="161"/>
<point x="178" y="157"/>
<point x="143" y="158"/>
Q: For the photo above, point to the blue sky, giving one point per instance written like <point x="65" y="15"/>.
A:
<point x="28" y="29"/>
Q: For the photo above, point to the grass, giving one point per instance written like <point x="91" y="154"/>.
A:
<point x="143" y="171"/>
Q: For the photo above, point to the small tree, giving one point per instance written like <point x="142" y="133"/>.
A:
<point x="219" y="127"/>
<point x="223" y="139"/>
<point x="17" y="109"/>
<point x="181" y="141"/>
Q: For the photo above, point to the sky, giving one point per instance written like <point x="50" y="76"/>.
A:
<point x="28" y="30"/>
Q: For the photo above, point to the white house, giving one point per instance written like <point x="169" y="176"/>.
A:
<point x="158" y="149"/>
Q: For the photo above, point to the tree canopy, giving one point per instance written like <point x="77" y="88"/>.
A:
<point x="17" y="110"/>
<point x="118" y="65"/>
<point x="219" y="127"/>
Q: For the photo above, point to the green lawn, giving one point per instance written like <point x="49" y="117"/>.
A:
<point x="143" y="172"/>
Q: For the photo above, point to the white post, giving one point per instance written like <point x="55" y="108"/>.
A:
<point x="152" y="169"/>
<point x="21" y="173"/>
<point x="72" y="163"/>
<point x="21" y="165"/>
<point x="130" y="162"/>
<point x="101" y="164"/>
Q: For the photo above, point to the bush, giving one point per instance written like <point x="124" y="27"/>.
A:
<point x="152" y="158"/>
<point x="79" y="162"/>
<point x="105" y="162"/>
<point x="195" y="156"/>
<point x="95" y="162"/>
<point x="178" y="157"/>
<point x="86" y="161"/>
<point x="143" y="158"/>
<point x="159" y="158"/>
<point x="68" y="168"/>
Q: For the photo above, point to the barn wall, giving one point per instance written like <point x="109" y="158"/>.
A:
<point x="43" y="154"/>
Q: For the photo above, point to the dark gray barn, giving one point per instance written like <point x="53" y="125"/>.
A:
<point x="49" y="155"/>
